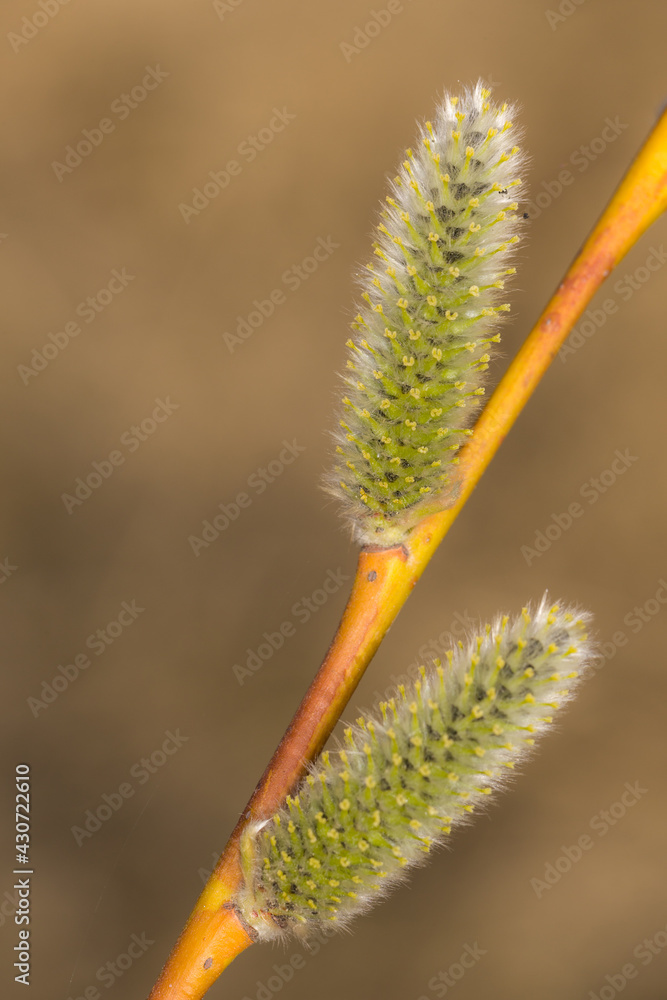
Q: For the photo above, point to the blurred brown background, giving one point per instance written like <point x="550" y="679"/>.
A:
<point x="218" y="73"/>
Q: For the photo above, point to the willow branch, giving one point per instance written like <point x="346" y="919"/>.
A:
<point x="384" y="579"/>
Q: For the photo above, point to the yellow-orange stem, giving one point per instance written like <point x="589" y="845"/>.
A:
<point x="384" y="579"/>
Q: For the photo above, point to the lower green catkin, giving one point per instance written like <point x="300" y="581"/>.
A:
<point x="407" y="772"/>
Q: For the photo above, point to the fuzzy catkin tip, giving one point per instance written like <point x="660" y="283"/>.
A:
<point x="409" y="771"/>
<point x="431" y="303"/>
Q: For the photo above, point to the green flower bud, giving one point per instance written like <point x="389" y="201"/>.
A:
<point x="432" y="301"/>
<point x="407" y="773"/>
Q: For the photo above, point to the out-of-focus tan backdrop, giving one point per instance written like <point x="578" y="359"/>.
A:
<point x="123" y="621"/>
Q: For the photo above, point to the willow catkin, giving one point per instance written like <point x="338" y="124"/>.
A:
<point x="431" y="306"/>
<point x="408" y="772"/>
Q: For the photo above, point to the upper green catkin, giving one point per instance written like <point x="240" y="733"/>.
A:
<point x="431" y="307"/>
<point x="407" y="773"/>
